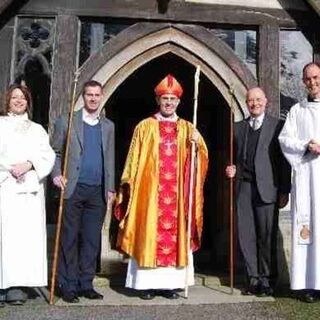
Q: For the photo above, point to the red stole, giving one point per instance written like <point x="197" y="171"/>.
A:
<point x="167" y="198"/>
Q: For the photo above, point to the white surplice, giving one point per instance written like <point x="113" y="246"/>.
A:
<point x="159" y="278"/>
<point x="302" y="125"/>
<point x="23" y="246"/>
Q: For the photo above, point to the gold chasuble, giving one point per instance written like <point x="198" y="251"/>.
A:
<point x="152" y="201"/>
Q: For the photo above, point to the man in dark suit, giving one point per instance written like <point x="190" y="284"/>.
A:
<point x="262" y="183"/>
<point x="88" y="187"/>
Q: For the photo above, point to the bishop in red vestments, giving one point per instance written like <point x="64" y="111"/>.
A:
<point x="152" y="202"/>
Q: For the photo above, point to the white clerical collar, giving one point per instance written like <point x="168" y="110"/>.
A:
<point x="90" y="118"/>
<point x="160" y="117"/>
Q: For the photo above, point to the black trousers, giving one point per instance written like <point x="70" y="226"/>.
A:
<point x="255" y="230"/>
<point x="80" y="240"/>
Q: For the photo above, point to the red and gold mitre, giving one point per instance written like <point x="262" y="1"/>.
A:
<point x="169" y="85"/>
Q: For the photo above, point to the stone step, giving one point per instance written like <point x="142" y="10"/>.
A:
<point x="118" y="280"/>
<point x="198" y="295"/>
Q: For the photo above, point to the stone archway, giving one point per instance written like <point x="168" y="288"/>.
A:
<point x="142" y="42"/>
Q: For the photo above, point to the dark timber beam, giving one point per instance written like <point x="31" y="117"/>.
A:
<point x="315" y="4"/>
<point x="177" y="11"/>
<point x="316" y="53"/>
<point x="6" y="39"/>
<point x="316" y="44"/>
<point x="268" y="71"/>
<point x="4" y="4"/>
<point x="65" y="62"/>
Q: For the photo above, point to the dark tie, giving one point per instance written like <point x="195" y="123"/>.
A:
<point x="255" y="124"/>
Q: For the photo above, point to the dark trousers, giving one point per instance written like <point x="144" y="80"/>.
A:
<point x="255" y="230"/>
<point x="80" y="240"/>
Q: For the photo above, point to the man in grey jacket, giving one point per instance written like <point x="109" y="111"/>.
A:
<point x="88" y="188"/>
<point x="262" y="183"/>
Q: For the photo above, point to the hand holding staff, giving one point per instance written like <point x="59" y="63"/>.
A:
<point x="61" y="200"/>
<point x="192" y="170"/>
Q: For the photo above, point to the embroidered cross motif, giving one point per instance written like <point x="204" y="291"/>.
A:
<point x="168" y="144"/>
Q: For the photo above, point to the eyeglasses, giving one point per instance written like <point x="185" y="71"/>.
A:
<point x="258" y="100"/>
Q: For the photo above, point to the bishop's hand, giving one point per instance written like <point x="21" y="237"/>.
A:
<point x="195" y="136"/>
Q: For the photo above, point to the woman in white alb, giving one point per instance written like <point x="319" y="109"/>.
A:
<point x="26" y="158"/>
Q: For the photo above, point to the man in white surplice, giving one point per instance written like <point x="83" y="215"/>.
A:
<point x="300" y="143"/>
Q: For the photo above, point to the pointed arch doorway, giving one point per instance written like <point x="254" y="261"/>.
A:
<point x="134" y="100"/>
<point x="131" y="64"/>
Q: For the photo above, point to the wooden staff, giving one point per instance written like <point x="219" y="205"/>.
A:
<point x="192" y="170"/>
<point x="231" y="216"/>
<point x="62" y="190"/>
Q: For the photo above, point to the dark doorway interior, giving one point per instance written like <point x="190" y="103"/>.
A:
<point x="134" y="100"/>
<point x="39" y="84"/>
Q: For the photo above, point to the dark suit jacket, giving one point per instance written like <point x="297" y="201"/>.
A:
<point x="271" y="168"/>
<point x="76" y="149"/>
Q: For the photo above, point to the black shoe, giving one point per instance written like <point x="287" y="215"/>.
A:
<point x="16" y="296"/>
<point x="265" y="291"/>
<point x="309" y="296"/>
<point x="170" y="294"/>
<point x="3" y="297"/>
<point x="91" y="294"/>
<point x="70" y="297"/>
<point x="147" y="294"/>
<point x="252" y="290"/>
<point x="253" y="287"/>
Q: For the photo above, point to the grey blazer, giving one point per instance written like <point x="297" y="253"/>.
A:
<point x="272" y="171"/>
<point x="76" y="149"/>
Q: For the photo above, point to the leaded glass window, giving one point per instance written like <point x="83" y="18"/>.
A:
<point x="243" y="43"/>
<point x="95" y="34"/>
<point x="32" y="62"/>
